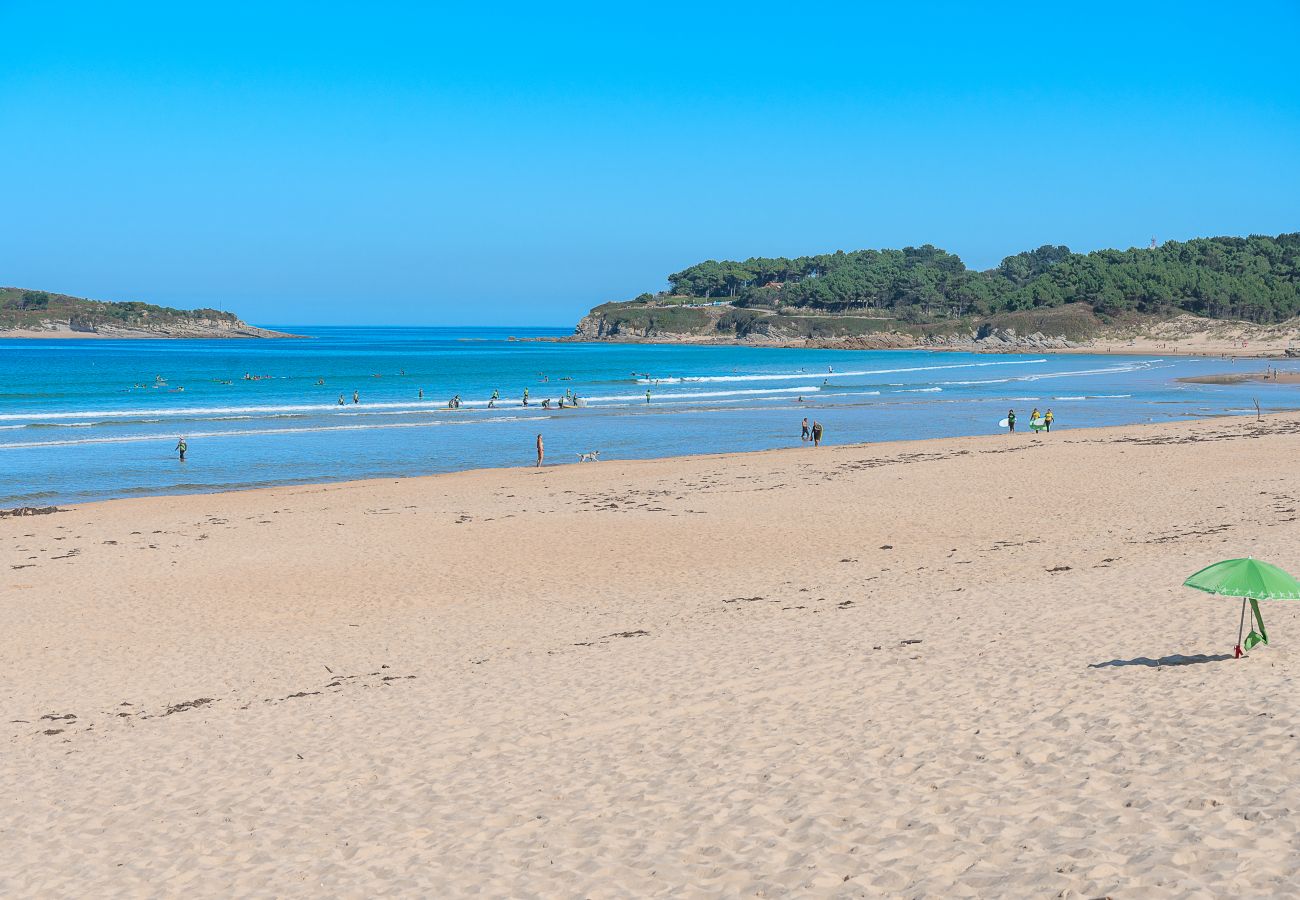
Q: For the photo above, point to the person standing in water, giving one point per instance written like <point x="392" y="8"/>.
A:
<point x="647" y="395"/>
<point x="817" y="434"/>
<point x="340" y="399"/>
<point x="525" y="396"/>
<point x="181" y="447"/>
<point x="805" y="434"/>
<point x="1011" y="421"/>
<point x="541" y="451"/>
<point x="421" y="393"/>
<point x="356" y="397"/>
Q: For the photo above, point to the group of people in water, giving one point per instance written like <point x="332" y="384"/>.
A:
<point x="1036" y="421"/>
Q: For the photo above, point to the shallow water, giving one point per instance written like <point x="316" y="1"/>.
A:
<point x="94" y="419"/>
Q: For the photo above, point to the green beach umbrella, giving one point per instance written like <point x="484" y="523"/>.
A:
<point x="1252" y="581"/>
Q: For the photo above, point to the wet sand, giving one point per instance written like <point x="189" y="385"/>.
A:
<point x="955" y="668"/>
<point x="1243" y="377"/>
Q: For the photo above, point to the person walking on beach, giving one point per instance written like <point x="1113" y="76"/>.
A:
<point x="805" y="434"/>
<point x="181" y="447"/>
<point x="1011" y="421"/>
<point x="1034" y="416"/>
<point x="541" y="451"/>
<point x="356" y="397"/>
<point x="817" y="434"/>
<point x="1047" y="418"/>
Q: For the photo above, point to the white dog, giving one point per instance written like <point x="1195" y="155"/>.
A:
<point x="593" y="456"/>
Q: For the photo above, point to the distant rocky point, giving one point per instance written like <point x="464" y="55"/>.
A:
<point x="41" y="314"/>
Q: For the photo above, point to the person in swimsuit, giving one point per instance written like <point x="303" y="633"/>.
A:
<point x="541" y="451"/>
<point x="805" y="433"/>
<point x="817" y="434"/>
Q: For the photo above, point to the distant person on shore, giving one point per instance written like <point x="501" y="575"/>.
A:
<point x="1048" y="417"/>
<point x="1011" y="421"/>
<point x="356" y="397"/>
<point x="817" y="434"/>
<point x="805" y="434"/>
<point x="181" y="447"/>
<point x="541" y="451"/>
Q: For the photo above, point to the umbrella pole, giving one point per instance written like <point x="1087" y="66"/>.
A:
<point x="1241" y="628"/>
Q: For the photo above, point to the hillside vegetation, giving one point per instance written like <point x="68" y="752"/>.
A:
<point x="40" y="312"/>
<point x="1256" y="279"/>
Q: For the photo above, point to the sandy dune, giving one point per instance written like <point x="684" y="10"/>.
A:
<point x="667" y="678"/>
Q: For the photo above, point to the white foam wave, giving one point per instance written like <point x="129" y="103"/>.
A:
<point x="191" y="435"/>
<point x="857" y="373"/>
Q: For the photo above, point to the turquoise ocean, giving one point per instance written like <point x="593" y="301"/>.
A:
<point x="85" y="420"/>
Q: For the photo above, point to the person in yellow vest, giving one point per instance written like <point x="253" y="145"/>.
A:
<point x="1048" y="417"/>
<point x="1034" y="416"/>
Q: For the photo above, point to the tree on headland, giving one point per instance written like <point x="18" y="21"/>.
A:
<point x="1255" y="278"/>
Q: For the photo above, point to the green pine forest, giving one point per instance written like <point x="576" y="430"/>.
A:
<point x="1255" y="278"/>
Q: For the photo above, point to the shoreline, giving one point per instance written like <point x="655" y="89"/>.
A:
<point x="1209" y="349"/>
<point x="57" y="335"/>
<point x="634" y="462"/>
<point x="872" y="668"/>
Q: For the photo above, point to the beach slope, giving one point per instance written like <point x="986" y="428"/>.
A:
<point x="957" y="668"/>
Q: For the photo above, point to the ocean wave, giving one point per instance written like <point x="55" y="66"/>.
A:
<point x="192" y="435"/>
<point x="786" y="376"/>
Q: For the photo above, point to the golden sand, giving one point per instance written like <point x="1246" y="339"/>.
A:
<point x="912" y="669"/>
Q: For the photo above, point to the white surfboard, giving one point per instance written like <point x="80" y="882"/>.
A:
<point x="1005" y="423"/>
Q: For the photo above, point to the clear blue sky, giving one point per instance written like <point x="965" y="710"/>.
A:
<point x="432" y="163"/>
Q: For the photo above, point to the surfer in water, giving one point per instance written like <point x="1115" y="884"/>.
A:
<point x="340" y="399"/>
<point x="356" y="397"/>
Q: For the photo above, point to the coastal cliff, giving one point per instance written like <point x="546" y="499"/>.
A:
<point x="1222" y="293"/>
<point x="724" y="324"/>
<point x="41" y="314"/>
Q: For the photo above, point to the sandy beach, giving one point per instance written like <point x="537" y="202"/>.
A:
<point x="954" y="668"/>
